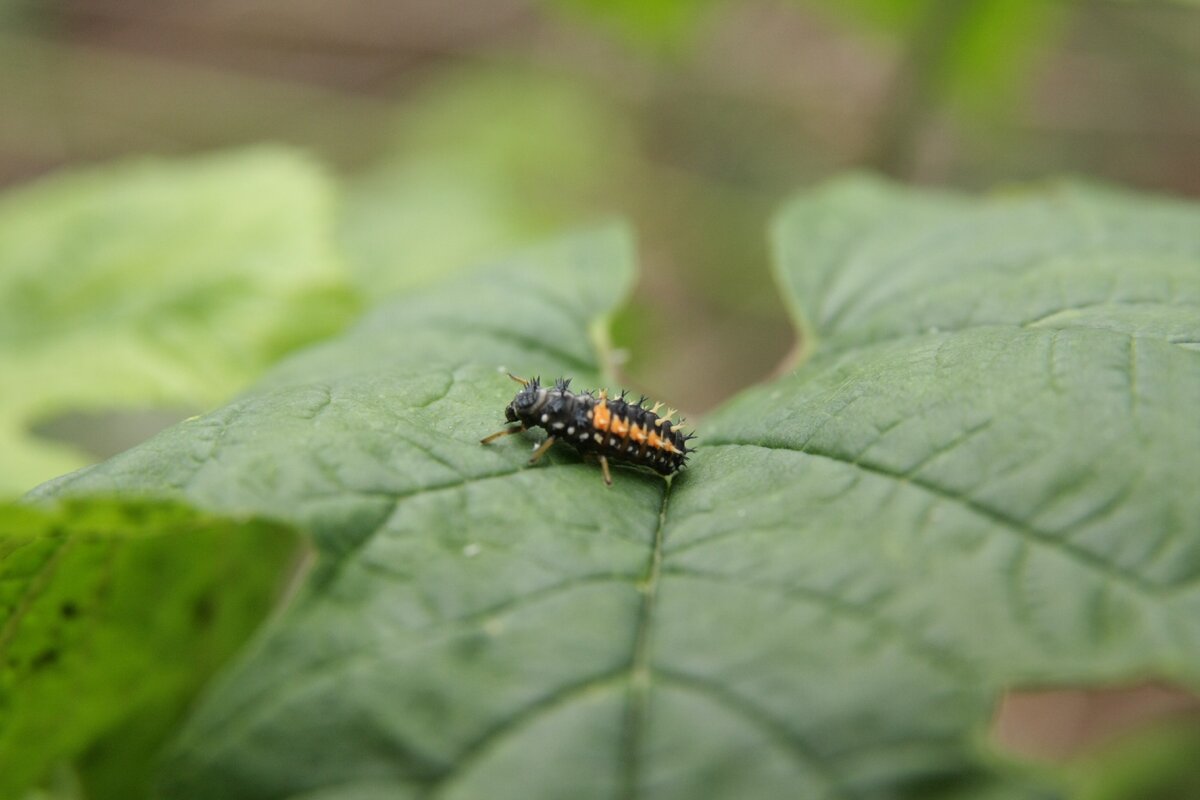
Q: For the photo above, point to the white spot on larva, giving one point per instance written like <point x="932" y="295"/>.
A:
<point x="629" y="449"/>
<point x="571" y="431"/>
<point x="597" y="437"/>
<point x="583" y="436"/>
<point x="558" y="426"/>
<point x="472" y="550"/>
<point x="545" y="417"/>
<point x="611" y="441"/>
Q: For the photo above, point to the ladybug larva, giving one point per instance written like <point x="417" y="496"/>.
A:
<point x="596" y="424"/>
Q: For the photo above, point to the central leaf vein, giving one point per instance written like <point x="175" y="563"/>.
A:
<point x="634" y="724"/>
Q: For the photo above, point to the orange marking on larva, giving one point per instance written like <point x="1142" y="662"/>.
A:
<point x="619" y="427"/>
<point x="655" y="442"/>
<point x="602" y="416"/>
<point x="638" y="434"/>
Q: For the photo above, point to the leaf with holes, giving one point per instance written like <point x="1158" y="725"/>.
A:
<point x="976" y="477"/>
<point x="112" y="614"/>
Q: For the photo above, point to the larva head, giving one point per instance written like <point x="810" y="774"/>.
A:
<point x="526" y="402"/>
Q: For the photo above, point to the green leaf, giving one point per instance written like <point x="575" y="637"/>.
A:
<point x="115" y="612"/>
<point x="155" y="283"/>
<point x="977" y="53"/>
<point x="1159" y="764"/>
<point x="661" y="26"/>
<point x="978" y="478"/>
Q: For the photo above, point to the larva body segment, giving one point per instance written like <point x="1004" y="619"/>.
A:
<point x="594" y="423"/>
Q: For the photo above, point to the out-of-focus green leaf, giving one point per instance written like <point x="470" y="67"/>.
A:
<point x="155" y="283"/>
<point x="1158" y="764"/>
<point x="985" y="47"/>
<point x="995" y="49"/>
<point x="978" y="478"/>
<point x="483" y="163"/>
<point x="897" y="16"/>
<point x="114" y="611"/>
<point x="658" y="24"/>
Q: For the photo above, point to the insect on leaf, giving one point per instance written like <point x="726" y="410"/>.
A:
<point x="975" y="479"/>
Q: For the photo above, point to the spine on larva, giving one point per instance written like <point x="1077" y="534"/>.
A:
<point x="633" y="433"/>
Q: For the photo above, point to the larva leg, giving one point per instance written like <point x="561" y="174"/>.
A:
<point x="541" y="451"/>
<point x="498" y="434"/>
<point x="604" y="469"/>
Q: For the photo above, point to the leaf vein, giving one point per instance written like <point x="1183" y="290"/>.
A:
<point x="865" y="614"/>
<point x="1081" y="555"/>
<point x="546" y="704"/>
<point x="634" y="724"/>
<point x="801" y="751"/>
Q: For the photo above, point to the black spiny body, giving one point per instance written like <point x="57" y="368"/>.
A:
<point x="593" y="423"/>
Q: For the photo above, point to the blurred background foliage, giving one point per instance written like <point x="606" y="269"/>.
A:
<point x="133" y="292"/>
<point x="463" y="130"/>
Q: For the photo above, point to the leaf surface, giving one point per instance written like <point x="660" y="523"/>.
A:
<point x="113" y="612"/>
<point x="972" y="481"/>
<point x="155" y="283"/>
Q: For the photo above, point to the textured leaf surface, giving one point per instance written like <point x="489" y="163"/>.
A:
<point x="155" y="283"/>
<point x="111" y="610"/>
<point x="977" y="478"/>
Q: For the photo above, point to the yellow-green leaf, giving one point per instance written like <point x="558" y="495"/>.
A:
<point x="113" y="613"/>
<point x="155" y="283"/>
